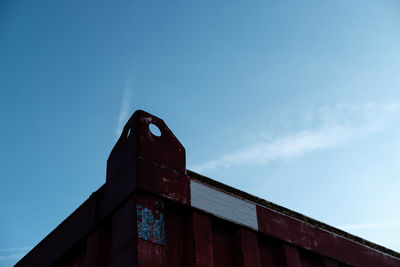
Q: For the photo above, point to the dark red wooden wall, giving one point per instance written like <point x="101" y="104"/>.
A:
<point x="143" y="216"/>
<point x="192" y="238"/>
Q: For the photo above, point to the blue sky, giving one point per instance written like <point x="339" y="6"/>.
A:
<point x="295" y="102"/>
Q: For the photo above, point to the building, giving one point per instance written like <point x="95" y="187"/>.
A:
<point x="153" y="212"/>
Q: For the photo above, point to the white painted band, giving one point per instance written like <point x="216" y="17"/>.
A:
<point x="223" y="205"/>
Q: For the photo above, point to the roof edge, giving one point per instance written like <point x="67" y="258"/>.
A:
<point x="291" y="213"/>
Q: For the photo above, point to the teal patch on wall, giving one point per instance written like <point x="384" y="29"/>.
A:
<point x="150" y="225"/>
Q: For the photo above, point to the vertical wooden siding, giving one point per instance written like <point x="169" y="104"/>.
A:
<point x="192" y="238"/>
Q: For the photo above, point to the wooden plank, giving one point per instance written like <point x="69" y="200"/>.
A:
<point x="150" y="254"/>
<point x="319" y="241"/>
<point x="270" y="250"/>
<point x="249" y="248"/>
<point x="223" y="205"/>
<point x="225" y="244"/>
<point x="292" y="257"/>
<point x="202" y="238"/>
<point x="178" y="241"/>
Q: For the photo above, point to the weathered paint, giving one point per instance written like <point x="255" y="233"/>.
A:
<point x="223" y="205"/>
<point x="150" y="225"/>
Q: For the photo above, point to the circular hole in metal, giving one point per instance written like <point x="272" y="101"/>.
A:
<point x="128" y="133"/>
<point x="154" y="130"/>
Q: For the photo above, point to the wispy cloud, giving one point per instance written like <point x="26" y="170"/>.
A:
<point x="377" y="225"/>
<point x="333" y="127"/>
<point x="125" y="107"/>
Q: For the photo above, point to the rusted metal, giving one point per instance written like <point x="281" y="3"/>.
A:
<point x="153" y="212"/>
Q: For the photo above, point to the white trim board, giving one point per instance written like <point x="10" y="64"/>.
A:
<point x="223" y="205"/>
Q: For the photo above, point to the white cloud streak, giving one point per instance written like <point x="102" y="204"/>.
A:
<point x="125" y="108"/>
<point x="335" y="127"/>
